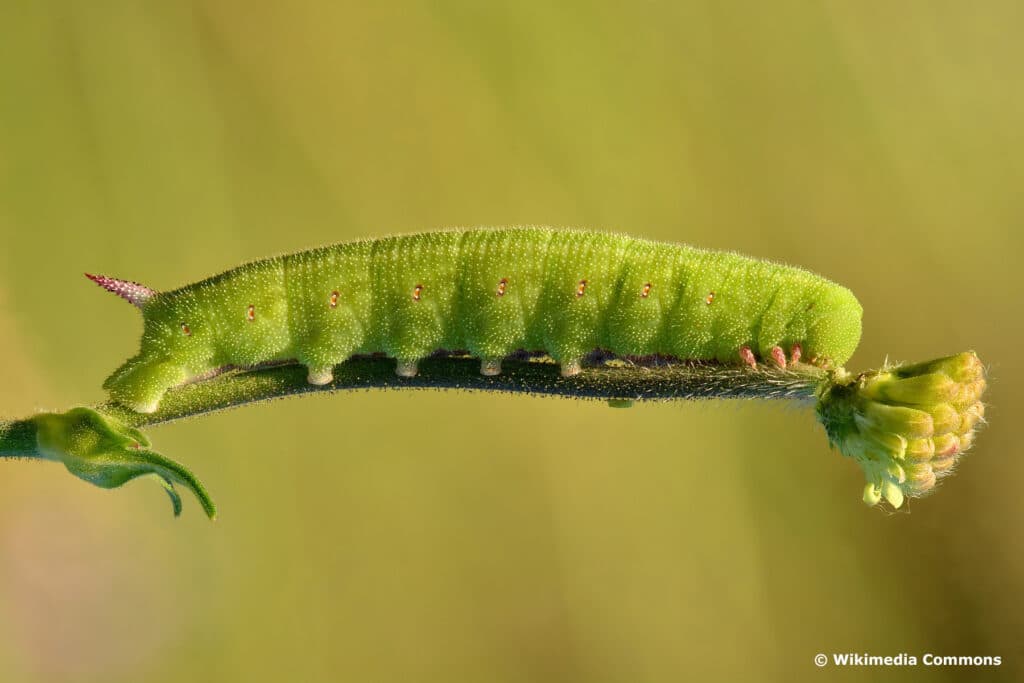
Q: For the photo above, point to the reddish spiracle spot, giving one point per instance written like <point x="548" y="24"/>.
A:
<point x="250" y="313"/>
<point x="646" y="291"/>
<point x="186" y="330"/>
<point x="417" y="292"/>
<point x="502" y="286"/>
<point x="334" y="299"/>
<point x="581" y="288"/>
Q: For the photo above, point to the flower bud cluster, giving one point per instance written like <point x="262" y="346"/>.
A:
<point x="906" y="426"/>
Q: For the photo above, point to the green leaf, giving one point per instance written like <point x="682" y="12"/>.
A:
<point x="105" y="452"/>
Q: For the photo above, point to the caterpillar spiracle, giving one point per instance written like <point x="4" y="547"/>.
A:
<point x="491" y="293"/>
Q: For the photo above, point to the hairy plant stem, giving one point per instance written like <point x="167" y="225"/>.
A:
<point x="905" y="425"/>
<point x="617" y="382"/>
<point x="614" y="381"/>
<point x="18" y="439"/>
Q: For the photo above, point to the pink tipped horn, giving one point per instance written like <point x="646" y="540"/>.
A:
<point x="132" y="292"/>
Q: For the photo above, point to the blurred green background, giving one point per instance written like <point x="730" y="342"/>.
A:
<point x="446" y="537"/>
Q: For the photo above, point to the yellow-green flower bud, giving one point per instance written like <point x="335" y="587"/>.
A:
<point x="920" y="449"/>
<point x="962" y="368"/>
<point x="946" y="419"/>
<point x="903" y="420"/>
<point x="919" y="390"/>
<point x="906" y="426"/>
<point x="920" y="478"/>
<point x="946" y="445"/>
<point x="971" y="417"/>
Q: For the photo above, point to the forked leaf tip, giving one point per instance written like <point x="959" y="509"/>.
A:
<point x="172" y="494"/>
<point x="103" y="451"/>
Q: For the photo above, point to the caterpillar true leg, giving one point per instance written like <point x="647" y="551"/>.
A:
<point x="779" y="356"/>
<point x="794" y="354"/>
<point x="747" y="356"/>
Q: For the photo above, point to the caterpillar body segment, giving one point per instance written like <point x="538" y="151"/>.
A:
<point x="499" y="298"/>
<point x="330" y="306"/>
<point x="491" y="292"/>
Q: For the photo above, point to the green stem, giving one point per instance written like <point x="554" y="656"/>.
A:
<point x="617" y="382"/>
<point x="905" y="426"/>
<point x="18" y="439"/>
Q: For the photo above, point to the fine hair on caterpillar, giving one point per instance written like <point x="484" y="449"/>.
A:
<point x="489" y="292"/>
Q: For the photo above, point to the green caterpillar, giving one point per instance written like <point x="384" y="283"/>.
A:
<point x="490" y="292"/>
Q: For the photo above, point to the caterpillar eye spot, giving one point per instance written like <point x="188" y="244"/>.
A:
<point x="334" y="299"/>
<point x="581" y="288"/>
<point x="417" y="292"/>
<point x="186" y="330"/>
<point x="502" y="286"/>
<point x="710" y="298"/>
<point x="646" y="291"/>
<point x="250" y="313"/>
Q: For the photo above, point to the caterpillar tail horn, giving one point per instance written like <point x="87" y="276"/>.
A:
<point x="132" y="292"/>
